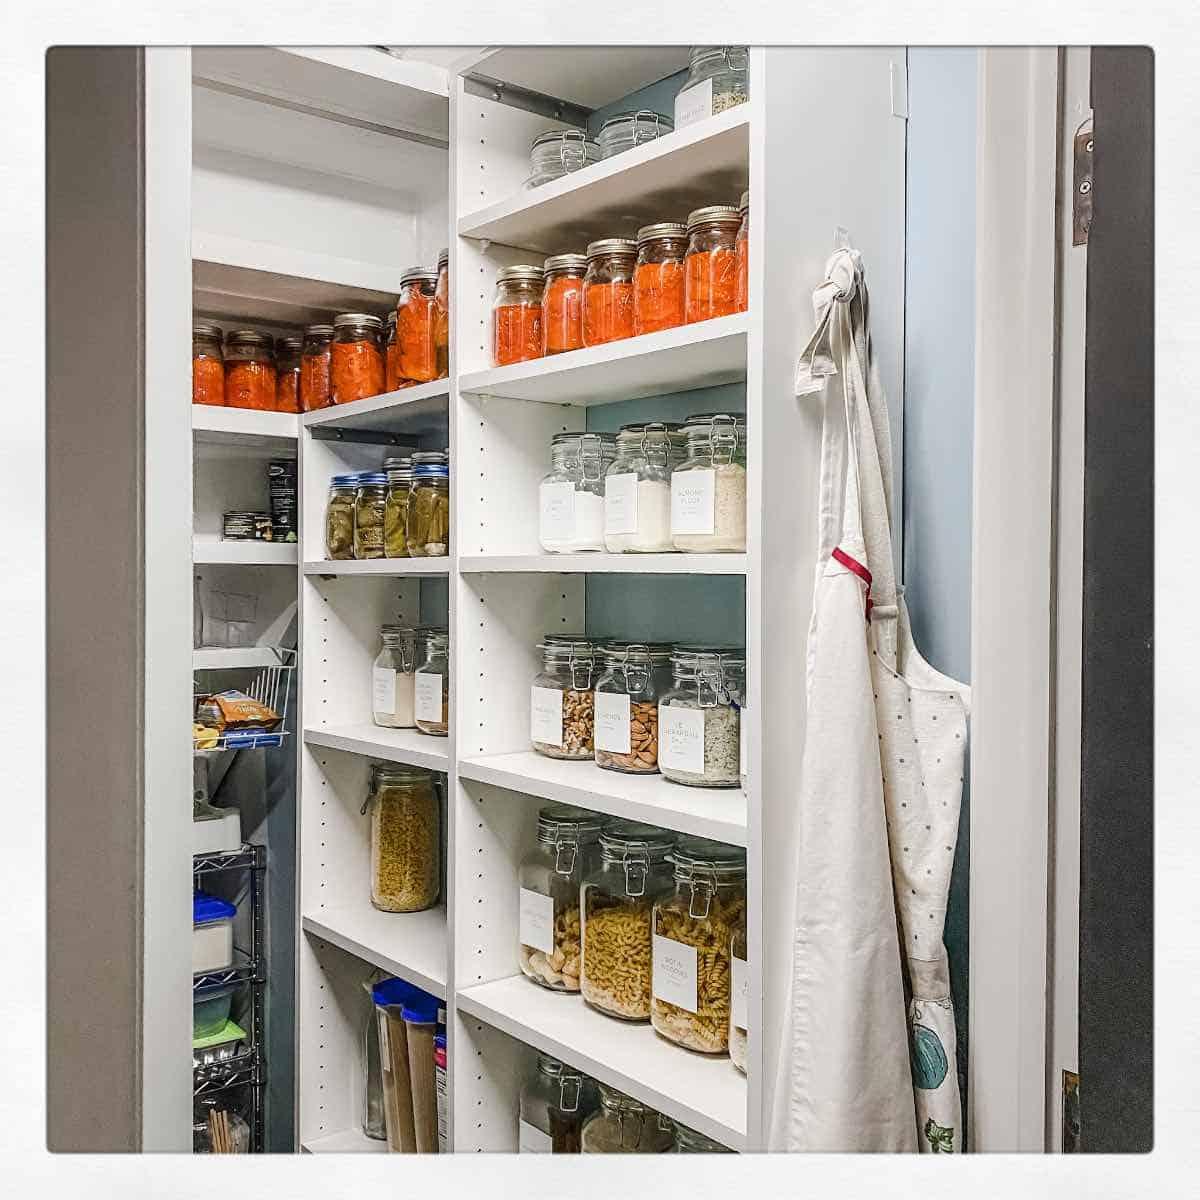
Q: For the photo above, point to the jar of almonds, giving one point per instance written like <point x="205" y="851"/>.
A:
<point x="561" y="706"/>
<point x="626" y="705"/>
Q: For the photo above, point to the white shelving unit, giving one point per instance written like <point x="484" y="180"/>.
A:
<point x="245" y="427"/>
<point x="248" y="554"/>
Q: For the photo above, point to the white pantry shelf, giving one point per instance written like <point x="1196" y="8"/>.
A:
<point x="345" y="1141"/>
<point x="228" y="658"/>
<point x="717" y="813"/>
<point x="414" y="410"/>
<point x="216" y="425"/>
<point x="399" y="568"/>
<point x="408" y="746"/>
<point x="705" y="1092"/>
<point x="706" y="354"/>
<point x="248" y="553"/>
<point x="604" y="564"/>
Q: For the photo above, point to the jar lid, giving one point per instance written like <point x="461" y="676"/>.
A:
<point x="206" y="329"/>
<point x="743" y="204"/>
<point x="701" y="426"/>
<point x="618" y="652"/>
<point x="692" y="656"/>
<point x="407" y="632"/>
<point x="249" y="337"/>
<point x="550" y="137"/>
<point x="549" y="1065"/>
<point x="703" y="54"/>
<point x="640" y="430"/>
<point x="572" y="648"/>
<point x="611" y="246"/>
<point x="443" y="258"/>
<point x="564" y="823"/>
<point x="614" y="1098"/>
<point x="421" y="274"/>
<point x="435" y="638"/>
<point x="318" y="331"/>
<point x="349" y="480"/>
<point x="393" y="772"/>
<point x="593" y="443"/>
<point x="288" y="343"/>
<point x="713" y="214"/>
<point x="428" y="456"/>
<point x="697" y="854"/>
<point x="565" y="262"/>
<point x="621" y="838"/>
<point x="522" y="273"/>
<point x="645" y="124"/>
<point x="369" y="320"/>
<point x="397" y="462"/>
<point x="661" y="229"/>
<point x="431" y="470"/>
<point x="372" y="479"/>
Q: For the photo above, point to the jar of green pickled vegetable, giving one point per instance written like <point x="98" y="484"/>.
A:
<point x="339" y="517"/>
<point x="370" y="501"/>
<point x="429" y="506"/>
<point x="395" y="512"/>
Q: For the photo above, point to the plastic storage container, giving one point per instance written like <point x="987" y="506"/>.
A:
<point x="562" y="302"/>
<point x="356" y="368"/>
<point x="624" y="1125"/>
<point x="210" y="1009"/>
<point x="708" y="489"/>
<point x="314" y="368"/>
<point x="608" y="291"/>
<point x="405" y="838"/>
<point x="517" y="315"/>
<point x="339" y="517"/>
<point x="250" y="370"/>
<point x="393" y="677"/>
<point x="208" y="364"/>
<point x="710" y="269"/>
<point x="558" y="152"/>
<point x="561" y="700"/>
<point x="212" y="933"/>
<point x="390" y="996"/>
<point x="431" y="686"/>
<point x="420" y="1027"/>
<point x="658" y="277"/>
<point x="626" y="697"/>
<point x="625" y="130"/>
<point x="215" y="830"/>
<point x="637" y="488"/>
<point x="555" y="1102"/>
<point x="718" y="78"/>
<point x="699" y="718"/>
<point x="571" y="494"/>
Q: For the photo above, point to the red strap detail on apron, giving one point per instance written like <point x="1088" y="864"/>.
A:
<point x="856" y="568"/>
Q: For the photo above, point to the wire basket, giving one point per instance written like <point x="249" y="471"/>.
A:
<point x="272" y="687"/>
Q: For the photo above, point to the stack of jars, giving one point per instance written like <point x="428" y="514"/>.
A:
<point x="410" y="680"/>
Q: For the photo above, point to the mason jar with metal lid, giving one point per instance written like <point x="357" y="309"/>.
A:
<point x="608" y="291"/>
<point x="356" y="368"/>
<point x="571" y="494"/>
<point x="287" y="374"/>
<point x="637" y="488"/>
<point x="555" y="1102"/>
<point x="624" y="1125"/>
<point x="699" y="717"/>
<point x="441" y="322"/>
<point x="431" y="684"/>
<point x="395" y="514"/>
<point x="658" y="277"/>
<point x="558" y="152"/>
<point x="208" y="364"/>
<point x="718" y="78"/>
<point x="250" y="370"/>
<point x="370" y="505"/>
<point x="710" y="266"/>
<point x="405" y="838"/>
<point x="561" y="703"/>
<point x="339" y="517"/>
<point x="429" y="506"/>
<point x="393" y="677"/>
<point x="562" y="302"/>
<point x="626" y="705"/>
<point x="628" y="129"/>
<point x="392" y="379"/>
<point x="517" y="315"/>
<point x="742" y="246"/>
<point x="708" y="489"/>
<point x="416" y="318"/>
<point x="315" y="357"/>
<point x="617" y="901"/>
<point x="549" y="879"/>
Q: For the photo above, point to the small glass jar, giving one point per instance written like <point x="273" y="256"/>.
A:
<point x="658" y="277"/>
<point x="441" y="318"/>
<point x="250" y="370"/>
<point x="392" y="379"/>
<point x="693" y="929"/>
<point x="208" y="364"/>
<point x="429" y="506"/>
<point x="517" y="315"/>
<point x="718" y="78"/>
<point x="415" y="321"/>
<point x="708" y="489"/>
<point x="287" y="374"/>
<point x="739" y="997"/>
<point x="688" y="1141"/>
<point x="625" y="130"/>
<point x="617" y="901"/>
<point x="314" y="368"/>
<point x="393" y="677"/>
<point x="405" y="838"/>
<point x="699" y="720"/>
<point x="608" y="291"/>
<point x="431" y="685"/>
<point x="370" y="503"/>
<point x="742" y="247"/>
<point x="339" y="517"/>
<point x="549" y="879"/>
<point x="626" y="706"/>
<point x="637" y="488"/>
<point x="555" y="1102"/>
<point x="710" y="273"/>
<point x="558" y="152"/>
<point x="562" y="302"/>
<point x="561" y="703"/>
<point x="571" y="495"/>
<point x="395" y="512"/>
<point x="356" y="367"/>
<point x="626" y="1126"/>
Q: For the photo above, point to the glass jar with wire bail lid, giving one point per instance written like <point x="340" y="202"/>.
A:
<point x="693" y="928"/>
<point x="395" y="513"/>
<point x="637" y="488"/>
<point x="699" y="717"/>
<point x="710" y="274"/>
<point x="429" y="506"/>
<point x="688" y="1141"/>
<point x="559" y="152"/>
<point x="616" y="902"/>
<point x="718" y="78"/>
<point x="549" y="880"/>
<point x="208" y="364"/>
<point x="635" y="675"/>
<point x="608" y="291"/>
<point x="658" y="277"/>
<point x="562" y="302"/>
<point x="708" y="489"/>
<point x="571" y="495"/>
<point x="555" y="1102"/>
<point x="625" y="130"/>
<point x="356" y="368"/>
<point x="393" y="677"/>
<point x="561" y="701"/>
<point x="339" y="517"/>
<point x="517" y="315"/>
<point x="370" y="506"/>
<point x="405" y="838"/>
<point x="431" y="683"/>
<point x="624" y="1125"/>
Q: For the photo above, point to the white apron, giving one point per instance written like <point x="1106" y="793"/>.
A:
<point x="879" y="799"/>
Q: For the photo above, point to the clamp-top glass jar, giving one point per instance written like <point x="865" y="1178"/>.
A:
<point x="208" y="364"/>
<point x="517" y="315"/>
<point x="708" y="489"/>
<point x="554" y="1105"/>
<point x="416" y="318"/>
<point x="626" y="130"/>
<point x="549" y="879"/>
<point x="431" y="685"/>
<point x="370" y="506"/>
<point x="617" y="901"/>
<point x="710" y="270"/>
<point x="561" y="700"/>
<point x="637" y="488"/>
<point x="356" y="367"/>
<point x="718" y="78"/>
<point x="405" y="831"/>
<point x="571" y="496"/>
<point x="392" y="677"/>
<point x="339" y="517"/>
<point x="608" y="291"/>
<point x="314" y="367"/>
<point x="395" y="512"/>
<point x="562" y="302"/>
<point x="693" y="931"/>
<point x="699" y="718"/>
<point x="558" y="152"/>
<point x="626" y="705"/>
<point x="626" y="1126"/>
<point x="250" y="370"/>
<point x="658" y="277"/>
<point x="429" y="506"/>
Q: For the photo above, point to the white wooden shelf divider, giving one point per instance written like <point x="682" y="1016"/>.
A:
<point x="604" y="564"/>
<point x="414" y="407"/>
<point x="249" y="553"/>
<point x="244" y="427"/>
<point x="408" y="746"/>
<point x="399" y="568"/>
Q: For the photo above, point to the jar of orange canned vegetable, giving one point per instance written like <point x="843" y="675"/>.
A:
<point x="208" y="364"/>
<point x="314" y="367"/>
<point x="441" y="317"/>
<point x="415" y="321"/>
<point x="392" y="378"/>
<point x="743" y="255"/>
<point x="250" y="370"/>
<point x="562" y="302"/>
<point x="658" y="277"/>
<point x="608" y="291"/>
<point x="287" y="374"/>
<point x="710" y="268"/>
<point x="517" y="315"/>
<point x="356" y="359"/>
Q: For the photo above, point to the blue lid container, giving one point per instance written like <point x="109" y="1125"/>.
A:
<point x="206" y="909"/>
<point x="422" y="1009"/>
<point x="391" y="992"/>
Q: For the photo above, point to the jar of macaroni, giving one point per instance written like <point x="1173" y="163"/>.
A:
<point x="314" y="368"/>
<point x="739" y="997"/>
<point x="626" y="1126"/>
<point x="431" y="685"/>
<point x="356" y="368"/>
<point x="208" y="364"/>
<point x="370" y="505"/>
<point x="441" y="318"/>
<point x="517" y="315"/>
<point x="287" y="374"/>
<point x="658" y="277"/>
<point x="571" y="494"/>
<point x="561" y="703"/>
<point x="710" y="267"/>
<point x="637" y="488"/>
<point x="742" y="246"/>
<point x="708" y="489"/>
<point x="699" y="717"/>
<point x="250" y="370"/>
<point x="405" y="838"/>
<point x="608" y="291"/>
<point x="626" y="705"/>
<point x="562" y="302"/>
<point x="428" y="533"/>
<point x="416" y="318"/>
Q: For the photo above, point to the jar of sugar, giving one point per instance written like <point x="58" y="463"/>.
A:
<point x="571" y="496"/>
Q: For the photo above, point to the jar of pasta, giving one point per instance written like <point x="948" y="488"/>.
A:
<point x="250" y="370"/>
<point x="517" y="315"/>
<point x="699" y="717"/>
<point x="370" y="503"/>
<point x="554" y="1105"/>
<point x="693" y="928"/>
<point x="617" y="900"/>
<point x="562" y="302"/>
<point x="415" y="319"/>
<point x="429" y="506"/>
<point x="392" y="379"/>
<point x="710" y="267"/>
<point x="708" y="489"/>
<point x="637" y="488"/>
<point x="626" y="705"/>
<point x="339" y="517"/>
<point x="658" y="277"/>
<point x="287" y="374"/>
<point x="405" y="833"/>
<point x="431" y="685"/>
<point x="208" y="364"/>
<point x="314" y="367"/>
<point x="718" y="78"/>
<point x="549" y="879"/>
<point x="739" y="997"/>
<point x="558" y="152"/>
<point x="743" y="254"/>
<point x="561" y="704"/>
<point x="608" y="291"/>
<point x="571" y="495"/>
<point x="393" y="677"/>
<point x="441" y="315"/>
<point x="626" y="1126"/>
<point x="625" y="130"/>
<point x="395" y="511"/>
<point x="356" y="361"/>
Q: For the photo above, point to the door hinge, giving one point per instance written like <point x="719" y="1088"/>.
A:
<point x="1070" y="1112"/>
<point x="1081" y="204"/>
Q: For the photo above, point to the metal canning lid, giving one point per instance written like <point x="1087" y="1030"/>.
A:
<point x="391" y="772"/>
<point x="562" y="823"/>
<point x="744" y="202"/>
<point x="661" y="229"/>
<point x="522" y="273"/>
<point x="443" y="259"/>
<point x="397" y="462"/>
<point x="289" y="343"/>
<point x="713" y="214"/>
<point x="424" y="274"/>
<point x="699" y="854"/>
<point x="565" y="262"/>
<point x="318" y="331"/>
<point x="427" y="456"/>
<point x="367" y="319"/>
<point x="249" y="337"/>
<point x="572" y="645"/>
<point x="206" y="329"/>
<point x="611" y="246"/>
<point x="618" y="838"/>
<point x="372" y="479"/>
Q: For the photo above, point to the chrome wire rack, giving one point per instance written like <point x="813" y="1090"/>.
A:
<point x="272" y="686"/>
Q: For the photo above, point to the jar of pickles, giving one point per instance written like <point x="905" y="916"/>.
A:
<point x="626" y="1126"/>
<point x="441" y="318"/>
<point x="658" y="277"/>
<point x="208" y="364"/>
<point x="718" y="78"/>
<point x="314" y="368"/>
<point x="608" y="291"/>
<point x="250" y="370"/>
<point x="561" y="703"/>
<point x="562" y="302"/>
<point x="517" y="315"/>
<point x="415" y="324"/>
<point x="739" y="997"/>
<point x="431" y="685"/>
<point x="392" y="379"/>
<point x="370" y="504"/>
<point x="393" y="677"/>
<point x="554" y="1105"/>
<point x="710" y="266"/>
<point x="405" y="838"/>
<point x="428" y="530"/>
<point x="699" y="717"/>
<point x="742" y="246"/>
<point x="549" y="880"/>
<point x="637" y="488"/>
<point x="287" y="374"/>
<point x="558" y="152"/>
<point x="626" y="705"/>
<point x="356" y="367"/>
<point x="708" y="489"/>
<point x="571" y="495"/>
<point x="395" y="511"/>
<point x="339" y="517"/>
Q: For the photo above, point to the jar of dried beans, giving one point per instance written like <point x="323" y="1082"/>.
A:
<point x="287" y="374"/>
<point x="517" y="315"/>
<point x="431" y="685"/>
<point x="561" y="703"/>
<point x="392" y="379"/>
<point x="626" y="1126"/>
<point x="743" y="254"/>
<point x="208" y="364"/>
<point x="693" y="928"/>
<point x="608" y="291"/>
<point x="428" y="530"/>
<point x="571" y="495"/>
<point x="405" y="832"/>
<point x="314" y="368"/>
<point x="562" y="302"/>
<point x="395" y="512"/>
<point x="339" y="517"/>
<point x="250" y="370"/>
<point x="658" y="277"/>
<point x="708" y="489"/>
<point x="441" y="317"/>
<point x="710" y="267"/>
<point x="626" y="705"/>
<point x="356" y="367"/>
<point x="718" y="78"/>
<point x="549" y="880"/>
<point x="415" y="321"/>
<point x="617" y="901"/>
<point x="637" y="488"/>
<point x="699" y="717"/>
<point x="555" y="1102"/>
<point x="739" y="997"/>
<point x="370" y="504"/>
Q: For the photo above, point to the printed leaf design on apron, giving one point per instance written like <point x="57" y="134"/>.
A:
<point x="939" y="1137"/>
<point x="929" y="1063"/>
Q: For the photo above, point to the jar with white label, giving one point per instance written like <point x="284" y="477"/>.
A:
<point x="549" y="878"/>
<point x="708" y="490"/>
<point x="617" y="901"/>
<point x="637" y="488"/>
<point x="739" y="998"/>
<point x="718" y="78"/>
<point x="561" y="701"/>
<point x="431" y="685"/>
<point x="571" y="496"/>
<point x="392" y="678"/>
<point x="699" y="718"/>
<point x="635" y="675"/>
<point x="555" y="1102"/>
<point x="624" y="1125"/>
<point x="693" y="932"/>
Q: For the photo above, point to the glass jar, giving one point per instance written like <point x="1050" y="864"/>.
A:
<point x="392" y="379"/>
<point x="625" y="1126"/>
<point x="395" y="511"/>
<point x="393" y="678"/>
<point x="415" y="315"/>
<point x="250" y="370"/>
<point x="370" y="502"/>
<point x="517" y="315"/>
<point x="208" y="364"/>
<point x="637" y="488"/>
<point x="571" y="496"/>
<point x="626" y="705"/>
<point x="287" y="374"/>
<point x="441" y="317"/>
<point x="658" y="277"/>
<point x="431" y="685"/>
<point x="699" y="719"/>
<point x="356" y="367"/>
<point x="339" y="517"/>
<point x="718" y="78"/>
<point x="739" y="997"/>
<point x="562" y="302"/>
<point x="314" y="368"/>
<point x="405" y="832"/>
<point x="558" y="152"/>
<point x="708" y="489"/>
<point x="688" y="1141"/>
<point x="554" y="1104"/>
<point x="561" y="704"/>
<point x="429" y="506"/>
<point x="693" y="928"/>
<point x="710" y="274"/>
<point x="608" y="291"/>
<point x="549" y="879"/>
<point x="625" y="130"/>
<point x="742" y="247"/>
<point x="617" y="901"/>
